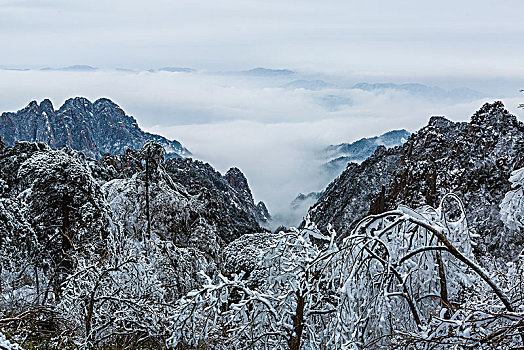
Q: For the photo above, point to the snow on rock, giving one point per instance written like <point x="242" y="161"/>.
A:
<point x="95" y="128"/>
<point x="473" y="160"/>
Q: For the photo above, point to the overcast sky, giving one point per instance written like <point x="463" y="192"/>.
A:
<point x="383" y="37"/>
<point x="271" y="132"/>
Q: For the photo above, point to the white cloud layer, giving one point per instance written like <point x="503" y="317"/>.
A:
<point x="270" y="132"/>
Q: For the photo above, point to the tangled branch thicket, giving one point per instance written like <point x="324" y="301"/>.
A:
<point x="406" y="278"/>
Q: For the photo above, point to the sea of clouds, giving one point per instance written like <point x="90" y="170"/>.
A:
<point x="272" y="130"/>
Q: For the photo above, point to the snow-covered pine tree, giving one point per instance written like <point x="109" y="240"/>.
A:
<point x="64" y="205"/>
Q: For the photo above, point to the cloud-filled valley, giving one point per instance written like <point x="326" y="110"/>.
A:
<point x="270" y="124"/>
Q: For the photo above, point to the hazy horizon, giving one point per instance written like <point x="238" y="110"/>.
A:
<point x="410" y="38"/>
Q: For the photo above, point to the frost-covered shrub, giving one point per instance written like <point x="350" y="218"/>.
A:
<point x="65" y="207"/>
<point x="59" y="192"/>
<point x="51" y="209"/>
<point x="403" y="279"/>
<point x="19" y="261"/>
<point x="245" y="254"/>
<point x="414" y="283"/>
<point x="130" y="292"/>
<point x="291" y="305"/>
<point x="512" y="206"/>
<point x="150" y="203"/>
<point x="7" y="345"/>
<point x="400" y="274"/>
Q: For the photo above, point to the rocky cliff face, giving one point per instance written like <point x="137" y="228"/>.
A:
<point x="237" y="180"/>
<point x="230" y="203"/>
<point x="473" y="160"/>
<point x="92" y="128"/>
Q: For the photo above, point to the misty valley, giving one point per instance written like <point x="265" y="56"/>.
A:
<point x="113" y="237"/>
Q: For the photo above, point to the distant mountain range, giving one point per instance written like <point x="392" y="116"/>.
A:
<point x="174" y="70"/>
<point x="75" y="68"/>
<point x="301" y="81"/>
<point x="340" y="155"/>
<point x="92" y="128"/>
<point x="266" y="72"/>
<point x="424" y="90"/>
<point x="421" y="90"/>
